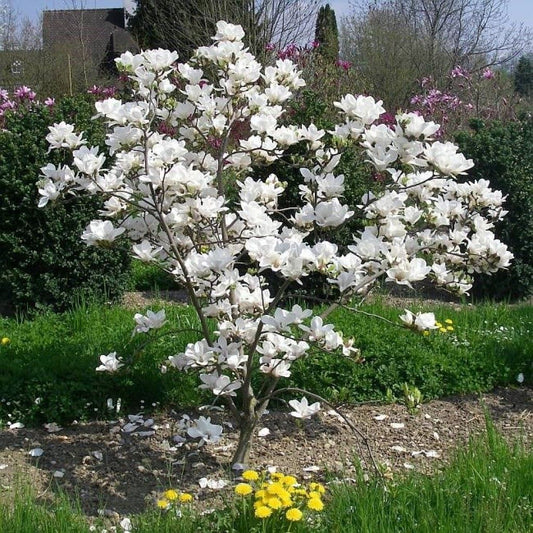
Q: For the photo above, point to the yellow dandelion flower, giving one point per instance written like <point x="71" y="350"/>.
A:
<point x="263" y="511"/>
<point x="170" y="495"/>
<point x="5" y="341"/>
<point x="315" y="504"/>
<point x="250" y="475"/>
<point x="314" y="494"/>
<point x="243" y="489"/>
<point x="185" y="497"/>
<point x="318" y="487"/>
<point x="284" y="496"/>
<point x="449" y="328"/>
<point x="426" y="333"/>
<point x="274" y="503"/>
<point x="260" y="494"/>
<point x="442" y="330"/>
<point x="449" y="321"/>
<point x="163" y="504"/>
<point x="275" y="488"/>
<point x="293" y="514"/>
<point x="277" y="476"/>
<point x="438" y="324"/>
<point x="289" y="481"/>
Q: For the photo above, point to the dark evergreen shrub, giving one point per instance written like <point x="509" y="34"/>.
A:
<point x="43" y="262"/>
<point x="503" y="154"/>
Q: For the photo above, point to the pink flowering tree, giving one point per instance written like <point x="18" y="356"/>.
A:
<point x="485" y="94"/>
<point x="186" y="197"/>
<point x="22" y="98"/>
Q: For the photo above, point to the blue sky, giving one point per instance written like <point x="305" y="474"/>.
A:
<point x="519" y="10"/>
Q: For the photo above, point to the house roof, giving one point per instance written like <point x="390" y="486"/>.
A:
<point x="99" y="30"/>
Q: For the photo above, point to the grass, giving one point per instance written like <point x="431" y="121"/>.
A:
<point x="487" y="487"/>
<point x="490" y="346"/>
<point x="48" y="369"/>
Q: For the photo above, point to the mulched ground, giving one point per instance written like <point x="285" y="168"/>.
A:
<point x="127" y="471"/>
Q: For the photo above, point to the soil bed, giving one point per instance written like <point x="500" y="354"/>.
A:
<point x="127" y="471"/>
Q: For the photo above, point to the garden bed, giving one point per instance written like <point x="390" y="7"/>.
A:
<point x="130" y="471"/>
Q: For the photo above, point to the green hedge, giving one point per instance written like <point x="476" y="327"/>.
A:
<point x="503" y="154"/>
<point x="44" y="264"/>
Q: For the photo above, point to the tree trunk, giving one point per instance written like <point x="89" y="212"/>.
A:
<point x="242" y="453"/>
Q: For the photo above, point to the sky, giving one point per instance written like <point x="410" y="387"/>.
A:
<point x="519" y="10"/>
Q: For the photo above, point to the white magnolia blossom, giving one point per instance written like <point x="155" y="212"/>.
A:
<point x="204" y="430"/>
<point x="149" y="321"/>
<point x="419" y="321"/>
<point x="110" y="363"/>
<point x="179" y="178"/>
<point x="101" y="231"/>
<point x="302" y="409"/>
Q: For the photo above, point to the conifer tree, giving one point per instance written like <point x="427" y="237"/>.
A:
<point x="523" y="77"/>
<point x="327" y="34"/>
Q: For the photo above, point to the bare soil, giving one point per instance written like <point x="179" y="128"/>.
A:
<point x="131" y="469"/>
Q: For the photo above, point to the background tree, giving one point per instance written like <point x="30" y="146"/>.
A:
<point x="183" y="26"/>
<point x="327" y="33"/>
<point x="523" y="77"/>
<point x="375" y="42"/>
<point x="428" y="38"/>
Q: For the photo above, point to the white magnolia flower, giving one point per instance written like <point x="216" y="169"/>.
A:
<point x="445" y="158"/>
<point x="49" y="191"/>
<point x="302" y="409"/>
<point x="420" y="321"/>
<point x="204" y="430"/>
<point x="364" y="108"/>
<point x="145" y="251"/>
<point x="62" y="136"/>
<point x="110" y="363"/>
<point x="331" y="213"/>
<point x="317" y="330"/>
<point x="149" y="321"/>
<point x="219" y="385"/>
<point x="101" y="231"/>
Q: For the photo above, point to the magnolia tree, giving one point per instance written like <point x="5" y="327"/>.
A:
<point x="178" y="181"/>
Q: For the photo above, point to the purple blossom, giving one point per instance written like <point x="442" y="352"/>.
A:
<point x="460" y="72"/>
<point x="345" y="65"/>
<point x="488" y="74"/>
<point x="50" y="102"/>
<point x="24" y="93"/>
<point x="166" y="129"/>
<point x="388" y="119"/>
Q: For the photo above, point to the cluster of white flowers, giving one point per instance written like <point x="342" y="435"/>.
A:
<point x="188" y="200"/>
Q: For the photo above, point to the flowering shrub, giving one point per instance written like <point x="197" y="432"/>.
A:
<point x="485" y="94"/>
<point x="23" y="98"/>
<point x="190" y="201"/>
